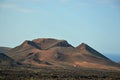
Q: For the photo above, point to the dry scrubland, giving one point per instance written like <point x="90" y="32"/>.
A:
<point x="57" y="74"/>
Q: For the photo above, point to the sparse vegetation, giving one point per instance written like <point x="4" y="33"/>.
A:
<point x="57" y="74"/>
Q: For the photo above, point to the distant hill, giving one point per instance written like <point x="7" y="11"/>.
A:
<point x="4" y="49"/>
<point x="113" y="56"/>
<point x="50" y="52"/>
<point x="6" y="60"/>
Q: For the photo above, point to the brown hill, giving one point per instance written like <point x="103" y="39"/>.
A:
<point x="91" y="55"/>
<point x="4" y="49"/>
<point x="6" y="60"/>
<point x="59" y="53"/>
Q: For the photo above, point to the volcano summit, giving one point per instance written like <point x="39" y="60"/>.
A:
<point x="48" y="52"/>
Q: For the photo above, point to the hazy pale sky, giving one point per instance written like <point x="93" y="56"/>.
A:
<point x="94" y="22"/>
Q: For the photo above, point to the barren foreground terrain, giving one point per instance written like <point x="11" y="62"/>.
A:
<point x="57" y="74"/>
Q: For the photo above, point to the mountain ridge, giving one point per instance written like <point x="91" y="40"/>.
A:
<point x="84" y="46"/>
<point x="59" y="53"/>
